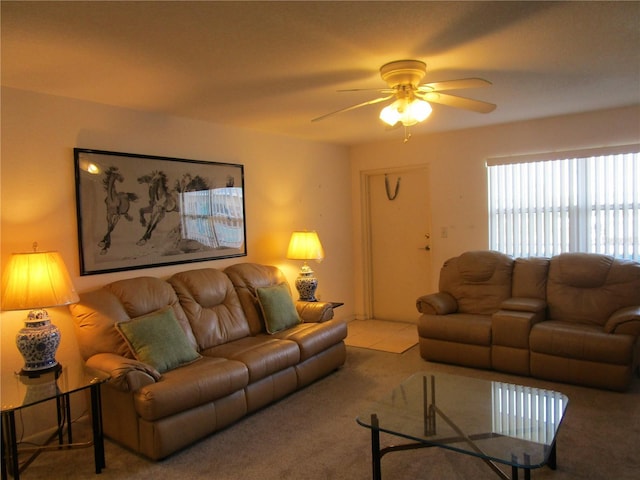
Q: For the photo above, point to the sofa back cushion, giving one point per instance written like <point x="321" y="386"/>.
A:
<point x="589" y="287"/>
<point x="211" y="304"/>
<point x="479" y="280"/>
<point x="97" y="312"/>
<point x="246" y="278"/>
<point x="530" y="277"/>
<point x="94" y="318"/>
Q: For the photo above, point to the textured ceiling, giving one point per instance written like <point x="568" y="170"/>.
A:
<point x="273" y="66"/>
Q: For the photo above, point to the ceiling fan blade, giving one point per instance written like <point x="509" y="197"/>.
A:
<point x="458" y="102"/>
<point x="381" y="90"/>
<point x="454" y="84"/>
<point x="353" y="107"/>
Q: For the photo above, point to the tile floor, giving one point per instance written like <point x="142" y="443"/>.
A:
<point x="395" y="337"/>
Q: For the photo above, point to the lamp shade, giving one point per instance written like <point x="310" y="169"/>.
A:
<point x="305" y="246"/>
<point x="36" y="280"/>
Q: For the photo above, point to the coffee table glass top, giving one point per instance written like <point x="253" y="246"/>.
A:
<point x="503" y="422"/>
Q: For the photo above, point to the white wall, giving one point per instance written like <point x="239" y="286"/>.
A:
<point x="458" y="192"/>
<point x="289" y="184"/>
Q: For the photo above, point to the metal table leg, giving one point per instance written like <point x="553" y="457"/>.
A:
<point x="375" y="448"/>
<point x="10" y="463"/>
<point x="96" y="420"/>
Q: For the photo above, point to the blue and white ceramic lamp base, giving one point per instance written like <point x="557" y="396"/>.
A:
<point x="306" y="285"/>
<point x="38" y="342"/>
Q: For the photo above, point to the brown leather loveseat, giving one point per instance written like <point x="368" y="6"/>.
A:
<point x="192" y="354"/>
<point x="571" y="318"/>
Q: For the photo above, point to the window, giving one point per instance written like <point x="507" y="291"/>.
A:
<point x="587" y="201"/>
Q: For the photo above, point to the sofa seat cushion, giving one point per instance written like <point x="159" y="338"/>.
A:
<point x="314" y="338"/>
<point x="459" y="327"/>
<point x="263" y="355"/>
<point x="582" y="342"/>
<point x="203" y="381"/>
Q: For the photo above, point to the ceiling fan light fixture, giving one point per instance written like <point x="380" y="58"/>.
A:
<point x="390" y="114"/>
<point x="419" y="110"/>
<point x="407" y="112"/>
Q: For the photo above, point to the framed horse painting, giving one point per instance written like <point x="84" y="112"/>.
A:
<point x="140" y="211"/>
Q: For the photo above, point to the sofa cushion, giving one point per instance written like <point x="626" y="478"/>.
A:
<point x="211" y="305"/>
<point x="530" y="277"/>
<point x="582" y="342"/>
<point x="263" y="355"/>
<point x="277" y="307"/>
<point x="479" y="280"/>
<point x="246" y="278"/>
<point x="588" y="288"/>
<point x="94" y="319"/>
<point x="190" y="386"/>
<point x="459" y="327"/>
<point x="158" y="340"/>
<point x="314" y="338"/>
<point x="141" y="295"/>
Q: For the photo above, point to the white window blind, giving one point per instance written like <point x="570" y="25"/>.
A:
<point x="585" y="203"/>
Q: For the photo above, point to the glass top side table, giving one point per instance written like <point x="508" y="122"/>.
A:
<point x="19" y="392"/>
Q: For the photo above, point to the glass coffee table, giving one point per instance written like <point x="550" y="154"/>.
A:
<point x="500" y="423"/>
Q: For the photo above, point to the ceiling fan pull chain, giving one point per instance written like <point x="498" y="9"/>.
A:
<point x="407" y="134"/>
<point x="386" y="186"/>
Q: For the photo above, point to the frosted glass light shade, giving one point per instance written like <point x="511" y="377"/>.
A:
<point x="305" y="246"/>
<point x="419" y="110"/>
<point x="407" y="112"/>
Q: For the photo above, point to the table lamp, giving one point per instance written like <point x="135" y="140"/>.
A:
<point x="305" y="246"/>
<point x="35" y="281"/>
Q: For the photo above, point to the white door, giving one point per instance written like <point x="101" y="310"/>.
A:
<point x="399" y="242"/>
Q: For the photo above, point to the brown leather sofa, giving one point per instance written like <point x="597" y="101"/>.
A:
<point x="235" y="367"/>
<point x="572" y="318"/>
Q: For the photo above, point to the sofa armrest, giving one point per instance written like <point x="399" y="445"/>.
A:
<point x="440" y="303"/>
<point x="625" y="321"/>
<point x="314" y="312"/>
<point x="512" y="324"/>
<point x="524" y="304"/>
<point x="126" y="374"/>
<point x="511" y="328"/>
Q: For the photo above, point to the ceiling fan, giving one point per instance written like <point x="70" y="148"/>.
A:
<point x="411" y="103"/>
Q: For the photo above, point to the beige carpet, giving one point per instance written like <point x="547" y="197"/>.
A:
<point x="385" y="336"/>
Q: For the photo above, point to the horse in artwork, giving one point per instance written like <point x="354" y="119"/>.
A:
<point x="118" y="204"/>
<point x="161" y="201"/>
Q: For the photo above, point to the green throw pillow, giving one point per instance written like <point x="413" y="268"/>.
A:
<point x="277" y="307"/>
<point x="158" y="340"/>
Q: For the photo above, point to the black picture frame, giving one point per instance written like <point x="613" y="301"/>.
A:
<point x="140" y="211"/>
